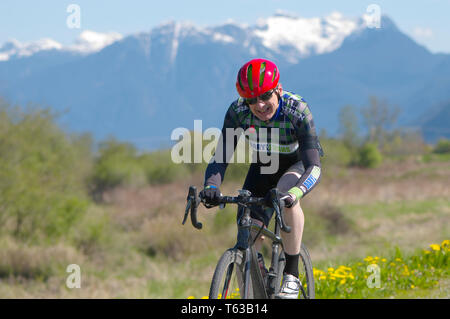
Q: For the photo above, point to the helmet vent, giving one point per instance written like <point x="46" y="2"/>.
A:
<point x="262" y="72"/>
<point x="249" y="77"/>
<point x="240" y="80"/>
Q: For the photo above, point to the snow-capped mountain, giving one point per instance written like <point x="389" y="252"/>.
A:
<point x="14" y="48"/>
<point x="141" y="86"/>
<point x="90" y="41"/>
<point x="87" y="42"/>
<point x="281" y="33"/>
<point x="308" y="36"/>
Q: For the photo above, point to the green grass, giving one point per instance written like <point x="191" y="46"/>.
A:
<point x="419" y="272"/>
<point x="395" y="209"/>
<point x="432" y="157"/>
<point x="424" y="274"/>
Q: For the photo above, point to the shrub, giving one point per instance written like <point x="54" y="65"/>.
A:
<point x="336" y="153"/>
<point x="35" y="262"/>
<point x="43" y="172"/>
<point x="159" y="168"/>
<point x="442" y="146"/>
<point x="369" y="156"/>
<point x="92" y="231"/>
<point x="116" y="164"/>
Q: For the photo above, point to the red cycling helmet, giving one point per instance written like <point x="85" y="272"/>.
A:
<point x="257" y="77"/>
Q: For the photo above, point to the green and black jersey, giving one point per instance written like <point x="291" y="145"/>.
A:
<point x="290" y="134"/>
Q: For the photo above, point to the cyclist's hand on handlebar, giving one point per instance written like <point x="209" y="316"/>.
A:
<point x="288" y="199"/>
<point x="210" y="196"/>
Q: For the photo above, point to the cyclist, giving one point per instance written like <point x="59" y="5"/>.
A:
<point x="263" y="104"/>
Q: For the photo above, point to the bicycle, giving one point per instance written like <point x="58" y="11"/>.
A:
<point x="238" y="272"/>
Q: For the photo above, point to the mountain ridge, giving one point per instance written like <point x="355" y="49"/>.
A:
<point x="133" y="87"/>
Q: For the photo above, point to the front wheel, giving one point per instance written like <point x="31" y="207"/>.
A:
<point x="305" y="270"/>
<point x="306" y="275"/>
<point x="227" y="281"/>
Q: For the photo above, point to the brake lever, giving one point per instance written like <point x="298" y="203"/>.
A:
<point x="186" y="212"/>
<point x="192" y="203"/>
<point x="195" y="201"/>
<point x="278" y="206"/>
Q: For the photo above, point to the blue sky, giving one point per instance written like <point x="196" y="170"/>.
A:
<point x="426" y="21"/>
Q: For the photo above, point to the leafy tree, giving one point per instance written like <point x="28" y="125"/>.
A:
<point x="348" y="126"/>
<point x="43" y="173"/>
<point x="379" y="118"/>
<point x="116" y="164"/>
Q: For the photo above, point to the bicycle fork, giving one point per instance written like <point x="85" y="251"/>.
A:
<point x="253" y="281"/>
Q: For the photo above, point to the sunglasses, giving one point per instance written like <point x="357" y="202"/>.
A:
<point x="263" y="97"/>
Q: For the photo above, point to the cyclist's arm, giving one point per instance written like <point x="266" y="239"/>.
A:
<point x="311" y="150"/>
<point x="215" y="171"/>
<point x="312" y="174"/>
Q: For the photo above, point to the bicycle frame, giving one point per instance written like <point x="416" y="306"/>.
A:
<point x="252" y="270"/>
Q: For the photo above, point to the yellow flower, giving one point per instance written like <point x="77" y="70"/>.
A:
<point x="392" y="264"/>
<point x="317" y="272"/>
<point x="205" y="297"/>
<point x="331" y="269"/>
<point x="405" y="271"/>
<point x="383" y="260"/>
<point x="345" y="268"/>
<point x="435" y="247"/>
<point x="412" y="286"/>
<point x="322" y="277"/>
<point x="426" y="252"/>
<point x="398" y="259"/>
<point x="342" y="282"/>
<point x="191" y="297"/>
<point x="368" y="259"/>
<point x="445" y="243"/>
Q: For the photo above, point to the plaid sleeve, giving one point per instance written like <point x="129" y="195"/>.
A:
<point x="302" y="119"/>
<point x="215" y="171"/>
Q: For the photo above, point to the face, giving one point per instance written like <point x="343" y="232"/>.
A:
<point x="265" y="110"/>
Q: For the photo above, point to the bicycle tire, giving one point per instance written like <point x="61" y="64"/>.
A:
<point x="227" y="279"/>
<point x="306" y="274"/>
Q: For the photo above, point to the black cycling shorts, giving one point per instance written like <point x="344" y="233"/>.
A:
<point x="260" y="184"/>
